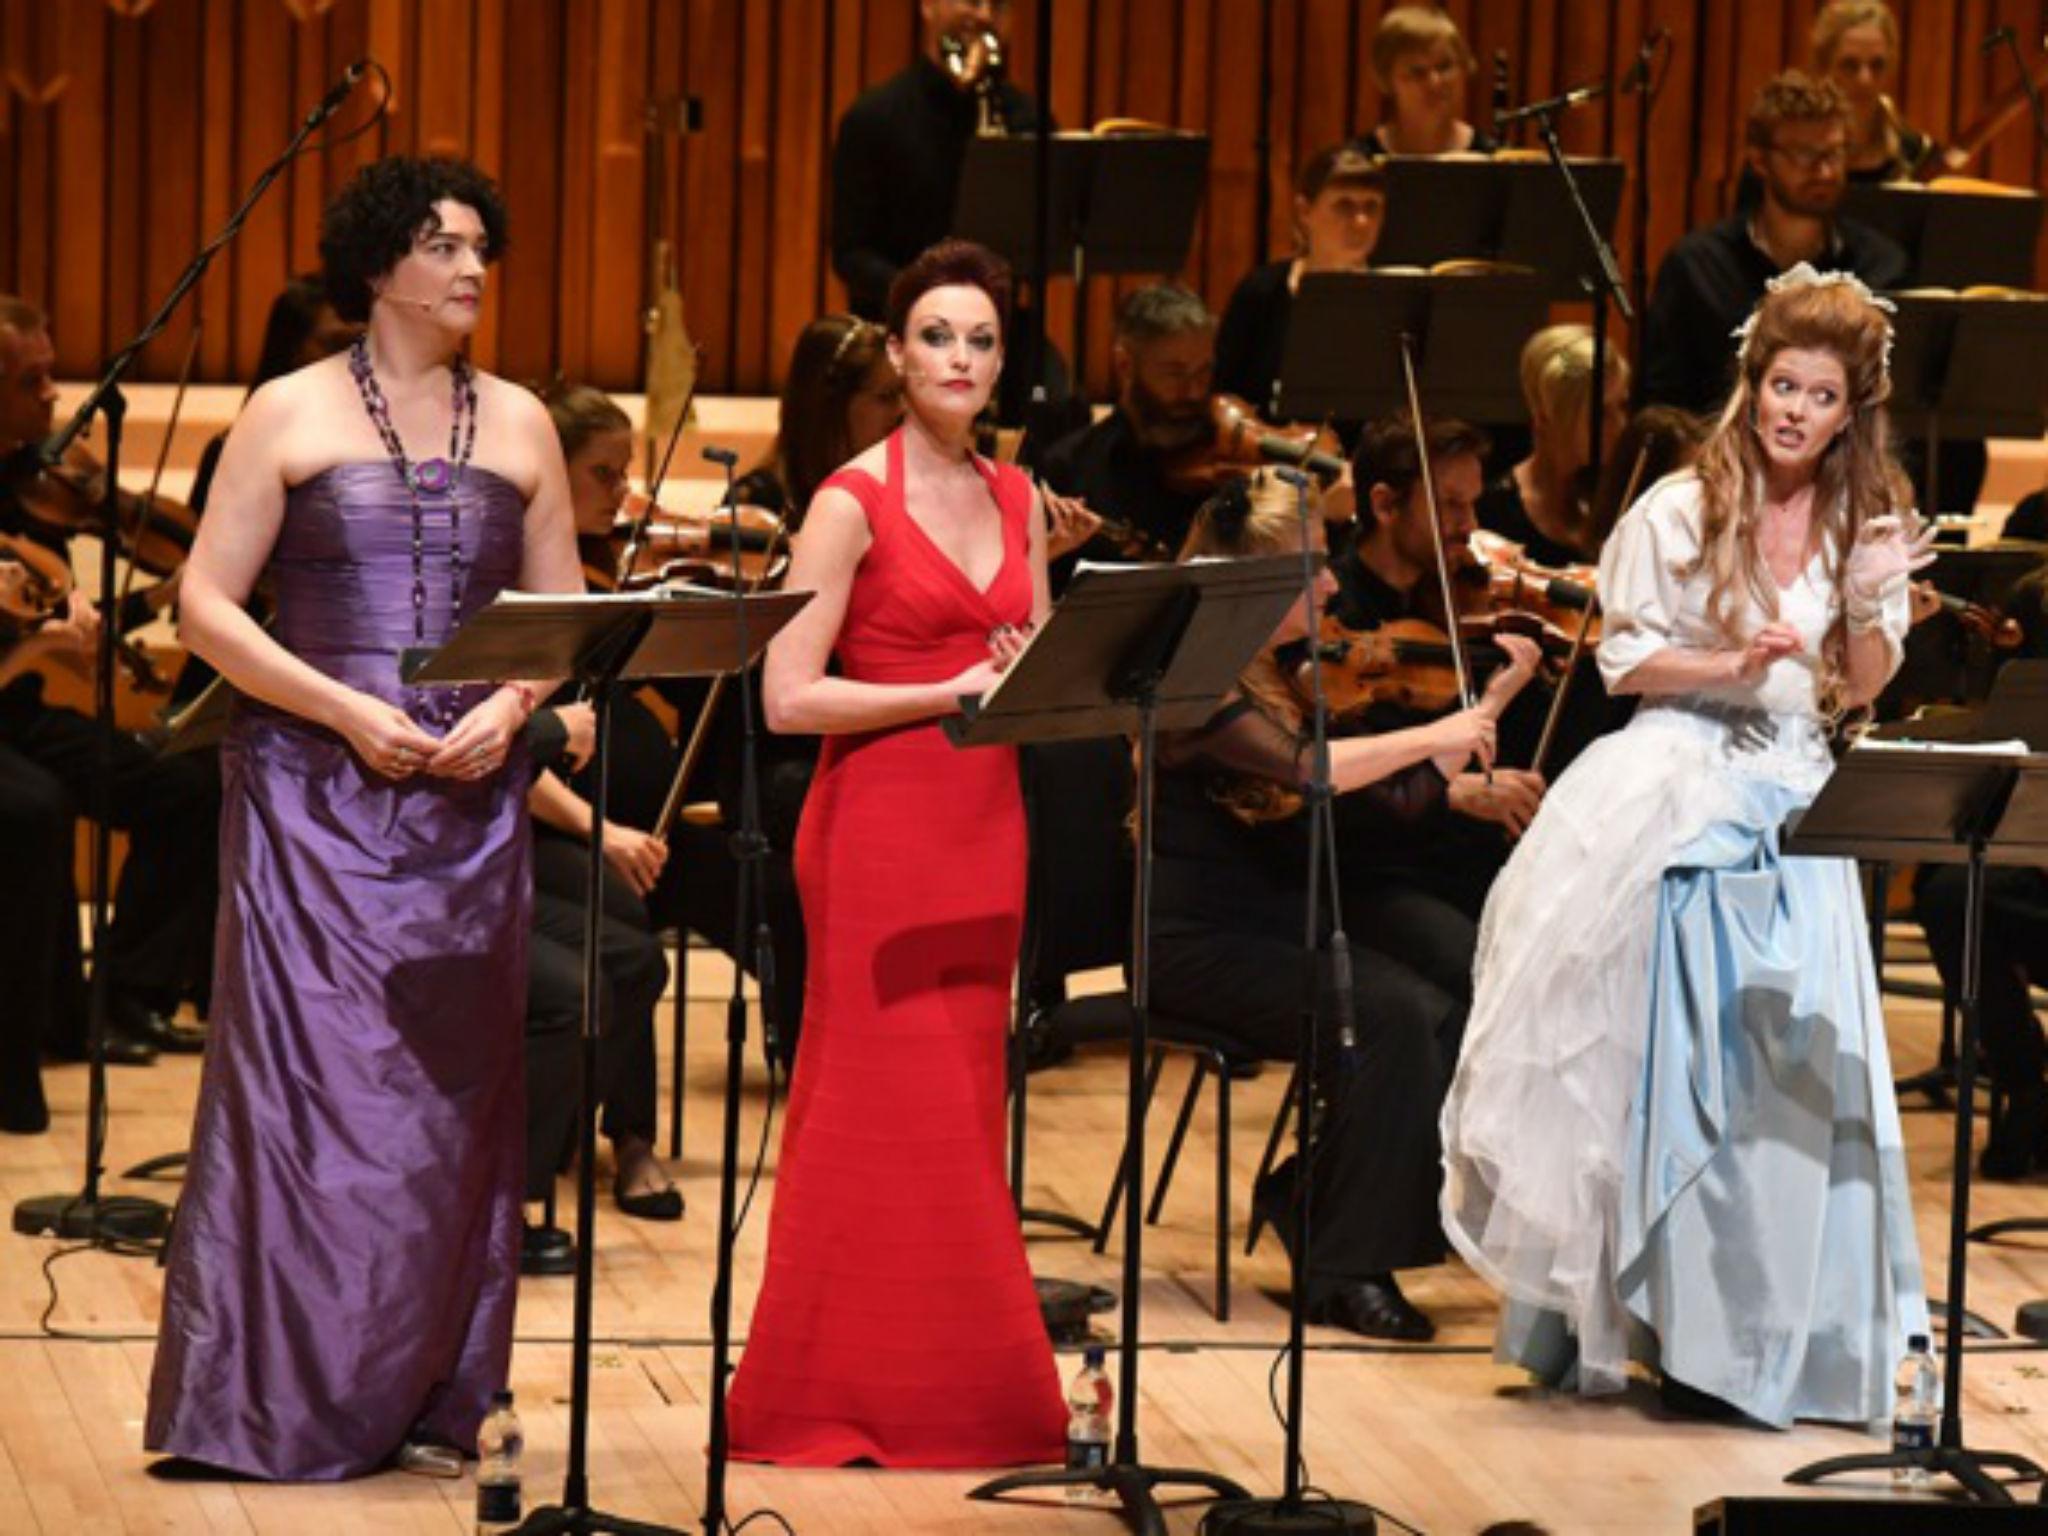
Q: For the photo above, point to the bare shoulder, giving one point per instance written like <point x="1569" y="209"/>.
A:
<point x="291" y="423"/>
<point x="872" y="462"/>
<point x="515" y="436"/>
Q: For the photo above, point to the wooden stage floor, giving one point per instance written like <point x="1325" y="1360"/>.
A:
<point x="1440" y="1436"/>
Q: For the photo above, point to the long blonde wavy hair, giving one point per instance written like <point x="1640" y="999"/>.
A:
<point x="1857" y="479"/>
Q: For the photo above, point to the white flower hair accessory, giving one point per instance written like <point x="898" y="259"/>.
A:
<point x="1802" y="275"/>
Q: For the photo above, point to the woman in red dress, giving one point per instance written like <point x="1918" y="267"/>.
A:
<point x="897" y="1322"/>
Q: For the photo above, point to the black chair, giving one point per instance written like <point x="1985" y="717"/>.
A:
<point x="1078" y="913"/>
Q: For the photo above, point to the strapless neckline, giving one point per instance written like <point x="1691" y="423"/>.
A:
<point x="342" y="464"/>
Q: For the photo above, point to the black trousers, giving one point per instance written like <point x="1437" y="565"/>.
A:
<point x="2015" y="953"/>
<point x="39" y="958"/>
<point x="634" y="974"/>
<point x="160" y="948"/>
<point x="1378" y="1159"/>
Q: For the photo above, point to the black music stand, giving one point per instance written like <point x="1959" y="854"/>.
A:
<point x="1954" y="239"/>
<point x="1126" y="651"/>
<point x="601" y="641"/>
<point x="1968" y="369"/>
<point x="1503" y="209"/>
<point x="1121" y="204"/>
<point x="1342" y="359"/>
<point x="1939" y="806"/>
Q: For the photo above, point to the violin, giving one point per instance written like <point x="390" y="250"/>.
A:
<point x="697" y="546"/>
<point x="35" y="586"/>
<point x="1404" y="663"/>
<point x="155" y="533"/>
<point x="1498" y="577"/>
<point x="1995" y="628"/>
<point x="1238" y="441"/>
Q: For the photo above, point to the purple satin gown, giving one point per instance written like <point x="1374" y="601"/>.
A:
<point x="345" y="1261"/>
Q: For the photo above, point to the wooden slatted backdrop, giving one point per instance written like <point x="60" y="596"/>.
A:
<point x="129" y="129"/>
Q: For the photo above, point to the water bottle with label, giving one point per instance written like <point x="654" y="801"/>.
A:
<point x="500" y="1445"/>
<point x="1088" y="1415"/>
<point x="1916" y="1409"/>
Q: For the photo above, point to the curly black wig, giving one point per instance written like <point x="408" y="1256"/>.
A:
<point x="374" y="221"/>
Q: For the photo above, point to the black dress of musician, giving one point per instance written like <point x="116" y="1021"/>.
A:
<point x="1232" y="852"/>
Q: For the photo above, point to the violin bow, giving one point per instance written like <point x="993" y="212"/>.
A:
<point x="638" y="535"/>
<point x="1571" y="661"/>
<point x="146" y="508"/>
<point x="1460" y="663"/>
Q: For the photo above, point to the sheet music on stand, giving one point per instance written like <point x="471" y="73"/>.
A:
<point x="1954" y="237"/>
<point x="1969" y="365"/>
<point x="1342" y="360"/>
<point x="689" y="633"/>
<point x="1060" y="687"/>
<point x="1121" y="203"/>
<point x="1508" y="209"/>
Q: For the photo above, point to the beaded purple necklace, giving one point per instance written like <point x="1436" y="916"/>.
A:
<point x="434" y="477"/>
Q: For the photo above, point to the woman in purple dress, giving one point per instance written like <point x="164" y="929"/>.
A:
<point x="341" y="1281"/>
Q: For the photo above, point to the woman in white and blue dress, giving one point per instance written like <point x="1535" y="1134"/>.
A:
<point x="1672" y="1137"/>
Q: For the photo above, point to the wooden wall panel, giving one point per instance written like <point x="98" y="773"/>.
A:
<point x="159" y="123"/>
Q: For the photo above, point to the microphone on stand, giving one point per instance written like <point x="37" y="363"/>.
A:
<point x="331" y="102"/>
<point x="1500" y="90"/>
<point x="1996" y="38"/>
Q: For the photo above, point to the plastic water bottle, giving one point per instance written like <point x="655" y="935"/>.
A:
<point x="500" y="1445"/>
<point x="1916" y="1407"/>
<point x="1088" y="1415"/>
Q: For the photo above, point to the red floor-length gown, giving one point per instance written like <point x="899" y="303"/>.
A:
<point x="897" y="1322"/>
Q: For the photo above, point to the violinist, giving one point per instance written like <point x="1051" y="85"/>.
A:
<point x="840" y="397"/>
<point x="596" y="437"/>
<point x="1389" y="573"/>
<point x="1798" y="137"/>
<point x="2014" y="939"/>
<point x="1423" y="67"/>
<point x="1164" y="357"/>
<point x="159" y="946"/>
<point x="1543" y="503"/>
<point x="896" y="161"/>
<point x="1230" y="871"/>
<point x="1340" y="206"/>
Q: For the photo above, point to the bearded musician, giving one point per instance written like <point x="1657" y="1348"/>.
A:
<point x="1164" y="356"/>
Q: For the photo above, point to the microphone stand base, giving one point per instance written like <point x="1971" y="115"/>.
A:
<point x="74" y="1218"/>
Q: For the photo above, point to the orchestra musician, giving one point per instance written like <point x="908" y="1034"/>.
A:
<point x="1543" y="503"/>
<point x="1230" y="875"/>
<point x="1340" y="205"/>
<point x="896" y="160"/>
<point x="1798" y="146"/>
<point x="1423" y="67"/>
<point x="597" y="441"/>
<point x="1677" y="1051"/>
<point x="1856" y="45"/>
<point x="163" y="905"/>
<point x="1164" y="358"/>
<point x="1440" y="864"/>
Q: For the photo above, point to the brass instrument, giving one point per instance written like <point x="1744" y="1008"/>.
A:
<point x="975" y="60"/>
